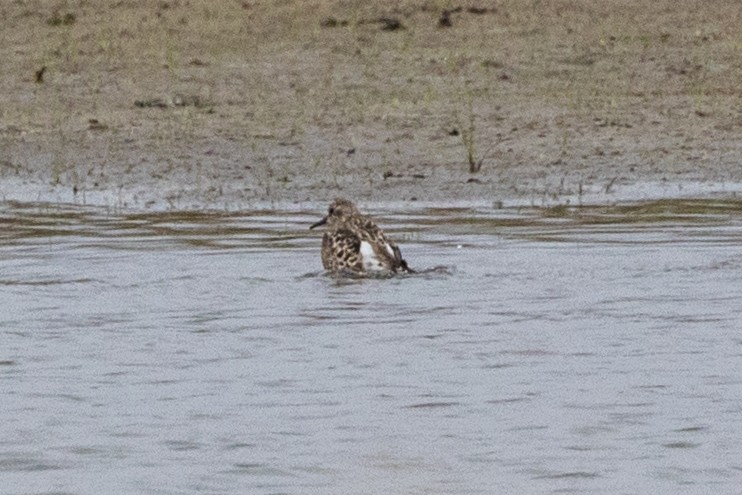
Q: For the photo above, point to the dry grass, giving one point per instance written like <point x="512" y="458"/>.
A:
<point x="579" y="81"/>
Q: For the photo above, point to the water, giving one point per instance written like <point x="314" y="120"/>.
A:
<point x="556" y="351"/>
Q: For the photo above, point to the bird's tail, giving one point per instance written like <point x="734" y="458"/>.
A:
<point x="400" y="264"/>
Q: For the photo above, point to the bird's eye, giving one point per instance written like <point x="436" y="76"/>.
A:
<point x="331" y="210"/>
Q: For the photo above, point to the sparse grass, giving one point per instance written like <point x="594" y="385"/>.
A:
<point x="564" y="146"/>
<point x="467" y="128"/>
<point x="468" y="131"/>
<point x="58" y="168"/>
<point x="271" y="68"/>
<point x="699" y="101"/>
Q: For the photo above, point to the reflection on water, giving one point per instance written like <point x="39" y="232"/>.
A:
<point x="590" y="350"/>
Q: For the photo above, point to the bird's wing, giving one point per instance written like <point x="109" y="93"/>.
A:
<point x="341" y="251"/>
<point x="387" y="252"/>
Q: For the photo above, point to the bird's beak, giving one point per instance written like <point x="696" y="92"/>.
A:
<point x="321" y="222"/>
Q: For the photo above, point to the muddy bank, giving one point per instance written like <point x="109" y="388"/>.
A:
<point x="181" y="104"/>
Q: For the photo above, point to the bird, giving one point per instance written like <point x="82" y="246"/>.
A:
<point x="354" y="244"/>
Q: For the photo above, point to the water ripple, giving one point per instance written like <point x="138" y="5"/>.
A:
<point x="544" y="350"/>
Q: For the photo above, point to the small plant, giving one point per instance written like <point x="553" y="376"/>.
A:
<point x="58" y="166"/>
<point x="699" y="95"/>
<point x="467" y="137"/>
<point x="564" y="146"/>
<point x="171" y="55"/>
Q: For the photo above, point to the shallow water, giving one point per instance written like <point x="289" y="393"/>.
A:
<point x="593" y="350"/>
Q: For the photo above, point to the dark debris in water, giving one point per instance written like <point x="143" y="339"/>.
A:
<point x="432" y="405"/>
<point x="681" y="445"/>
<point x="570" y="475"/>
<point x="691" y="429"/>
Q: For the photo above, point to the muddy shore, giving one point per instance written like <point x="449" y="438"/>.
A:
<point x="197" y="104"/>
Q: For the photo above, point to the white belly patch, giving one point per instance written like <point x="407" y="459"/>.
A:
<point x="371" y="262"/>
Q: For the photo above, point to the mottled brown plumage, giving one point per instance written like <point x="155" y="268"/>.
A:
<point x="355" y="244"/>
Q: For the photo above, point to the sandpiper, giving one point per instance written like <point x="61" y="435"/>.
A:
<point x="355" y="244"/>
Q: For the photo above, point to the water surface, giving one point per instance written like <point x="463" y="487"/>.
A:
<point x="592" y="350"/>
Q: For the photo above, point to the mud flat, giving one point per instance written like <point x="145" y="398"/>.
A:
<point x="192" y="104"/>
